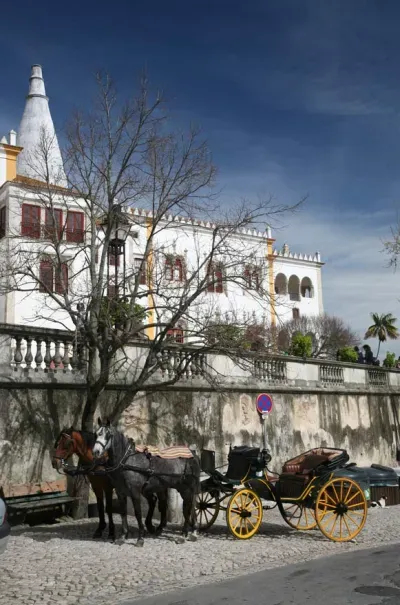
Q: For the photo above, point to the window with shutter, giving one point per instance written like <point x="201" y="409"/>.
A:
<point x="30" y="225"/>
<point x="137" y="264"/>
<point x="252" y="277"/>
<point x="174" y="269"/>
<point x="296" y="313"/>
<point x="3" y="221"/>
<point x="61" y="280"/>
<point x="176" y="335"/>
<point x="215" y="276"/>
<point x="53" y="222"/>
<point x="75" y="227"/>
<point x="46" y="276"/>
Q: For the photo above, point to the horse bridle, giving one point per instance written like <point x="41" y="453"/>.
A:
<point x="109" y="438"/>
<point x="70" y="451"/>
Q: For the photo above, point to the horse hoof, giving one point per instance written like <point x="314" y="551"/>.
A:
<point x="151" y="529"/>
<point x="192" y="538"/>
<point x="97" y="534"/>
<point x="139" y="542"/>
<point x="111" y="536"/>
<point x="159" y="531"/>
<point x="180" y="540"/>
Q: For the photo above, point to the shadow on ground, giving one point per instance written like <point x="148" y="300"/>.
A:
<point x="85" y="530"/>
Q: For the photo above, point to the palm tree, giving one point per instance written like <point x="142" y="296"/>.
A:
<point x="382" y="328"/>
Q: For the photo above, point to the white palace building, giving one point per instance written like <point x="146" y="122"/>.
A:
<point x="292" y="281"/>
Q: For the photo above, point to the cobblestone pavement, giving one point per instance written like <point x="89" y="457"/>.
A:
<point x="62" y="564"/>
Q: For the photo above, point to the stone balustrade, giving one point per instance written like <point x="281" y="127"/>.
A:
<point x="178" y="360"/>
<point x="41" y="352"/>
<point x="329" y="374"/>
<point x="271" y="370"/>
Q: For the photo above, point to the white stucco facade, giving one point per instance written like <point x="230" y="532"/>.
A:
<point x="287" y="285"/>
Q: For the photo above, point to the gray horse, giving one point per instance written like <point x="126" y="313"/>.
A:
<point x="136" y="473"/>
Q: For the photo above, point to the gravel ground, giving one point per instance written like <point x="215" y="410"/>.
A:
<point x="62" y="564"/>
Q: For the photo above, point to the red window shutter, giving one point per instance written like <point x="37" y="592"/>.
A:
<point x="3" y="222"/>
<point x="178" y="270"/>
<point x="30" y="225"/>
<point x="256" y="278"/>
<point x="61" y="282"/>
<point x="176" y="335"/>
<point x="247" y="277"/>
<point x="46" y="276"/>
<point x="53" y="222"/>
<point x="75" y="227"/>
<point x="142" y="278"/>
<point x="219" y="288"/>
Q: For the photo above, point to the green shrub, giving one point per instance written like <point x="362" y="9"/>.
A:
<point x="115" y="312"/>
<point x="348" y="354"/>
<point x="390" y="360"/>
<point x="301" y="345"/>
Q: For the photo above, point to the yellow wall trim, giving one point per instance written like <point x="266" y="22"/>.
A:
<point x="270" y="258"/>
<point x="12" y="153"/>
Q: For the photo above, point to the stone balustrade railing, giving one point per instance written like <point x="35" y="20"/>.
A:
<point x="41" y="352"/>
<point x="270" y="370"/>
<point x="329" y="374"/>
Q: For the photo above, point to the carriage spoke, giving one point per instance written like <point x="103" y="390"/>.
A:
<point x="348" y="528"/>
<point x="347" y="502"/>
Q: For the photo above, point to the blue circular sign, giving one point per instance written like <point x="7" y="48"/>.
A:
<point x="264" y="403"/>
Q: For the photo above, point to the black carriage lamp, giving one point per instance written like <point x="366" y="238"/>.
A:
<point x="120" y="229"/>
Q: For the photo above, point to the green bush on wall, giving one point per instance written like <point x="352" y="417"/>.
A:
<point x="348" y="354"/>
<point x="301" y="345"/>
<point x="390" y="360"/>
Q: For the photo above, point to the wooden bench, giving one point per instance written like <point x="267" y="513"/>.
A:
<point x="36" y="497"/>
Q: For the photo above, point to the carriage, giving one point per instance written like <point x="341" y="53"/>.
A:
<point x="314" y="490"/>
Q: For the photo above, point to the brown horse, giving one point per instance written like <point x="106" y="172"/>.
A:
<point x="71" y="441"/>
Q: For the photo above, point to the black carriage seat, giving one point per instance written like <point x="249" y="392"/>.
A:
<point x="240" y="459"/>
<point x="207" y="463"/>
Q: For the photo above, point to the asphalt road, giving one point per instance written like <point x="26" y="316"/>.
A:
<point x="364" y="577"/>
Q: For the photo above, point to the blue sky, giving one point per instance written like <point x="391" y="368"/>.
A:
<point x="296" y="97"/>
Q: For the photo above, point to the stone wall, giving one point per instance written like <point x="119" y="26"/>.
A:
<point x="363" y="423"/>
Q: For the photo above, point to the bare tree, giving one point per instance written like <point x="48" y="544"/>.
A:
<point x="120" y="157"/>
<point x="328" y="332"/>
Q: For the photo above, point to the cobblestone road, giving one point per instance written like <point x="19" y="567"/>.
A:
<point x="62" y="564"/>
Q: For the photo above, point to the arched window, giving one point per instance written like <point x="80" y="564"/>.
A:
<point x="215" y="277"/>
<point x="174" y="268"/>
<point x="307" y="290"/>
<point x="294" y="287"/>
<point x="281" y="284"/>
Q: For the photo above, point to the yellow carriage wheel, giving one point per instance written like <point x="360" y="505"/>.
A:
<point x="244" y="513"/>
<point x="341" y="509"/>
<point x="207" y="509"/>
<point x="298" y="516"/>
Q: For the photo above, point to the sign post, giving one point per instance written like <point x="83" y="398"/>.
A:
<point x="264" y="405"/>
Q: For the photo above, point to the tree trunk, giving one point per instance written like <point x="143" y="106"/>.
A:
<point x="78" y="487"/>
<point x="379" y="346"/>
